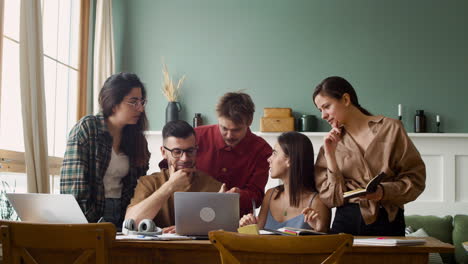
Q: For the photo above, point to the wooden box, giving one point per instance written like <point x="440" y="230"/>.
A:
<point x="277" y="112"/>
<point x="277" y="124"/>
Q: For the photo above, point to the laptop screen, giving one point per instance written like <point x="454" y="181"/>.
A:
<point x="47" y="208"/>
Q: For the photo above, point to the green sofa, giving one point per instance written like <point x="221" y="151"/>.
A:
<point x="453" y="230"/>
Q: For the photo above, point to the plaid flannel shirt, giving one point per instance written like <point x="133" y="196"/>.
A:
<point x="85" y="163"/>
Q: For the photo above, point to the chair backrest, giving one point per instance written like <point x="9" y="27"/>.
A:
<point x="56" y="243"/>
<point x="243" y="248"/>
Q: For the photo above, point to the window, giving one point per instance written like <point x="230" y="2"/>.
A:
<point x="60" y="37"/>
<point x="61" y="34"/>
<point x="11" y="126"/>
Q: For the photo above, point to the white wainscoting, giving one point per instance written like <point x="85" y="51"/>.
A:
<point x="445" y="155"/>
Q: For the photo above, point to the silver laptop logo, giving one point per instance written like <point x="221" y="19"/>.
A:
<point x="207" y="214"/>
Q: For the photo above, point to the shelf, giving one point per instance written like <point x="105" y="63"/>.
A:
<point x="321" y="134"/>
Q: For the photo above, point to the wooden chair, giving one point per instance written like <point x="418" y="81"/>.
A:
<point x="32" y="243"/>
<point x="242" y="248"/>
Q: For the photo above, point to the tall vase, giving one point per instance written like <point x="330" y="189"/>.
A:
<point x="172" y="111"/>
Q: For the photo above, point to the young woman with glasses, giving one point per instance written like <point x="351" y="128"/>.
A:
<point x="106" y="153"/>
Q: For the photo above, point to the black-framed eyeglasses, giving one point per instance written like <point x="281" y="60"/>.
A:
<point x="135" y="103"/>
<point x="177" y="152"/>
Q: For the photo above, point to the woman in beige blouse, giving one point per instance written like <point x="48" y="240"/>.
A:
<point x="358" y="147"/>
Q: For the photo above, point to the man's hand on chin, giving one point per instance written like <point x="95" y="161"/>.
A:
<point x="180" y="180"/>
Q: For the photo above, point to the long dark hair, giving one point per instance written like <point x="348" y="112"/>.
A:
<point x="300" y="151"/>
<point x="336" y="87"/>
<point x="133" y="142"/>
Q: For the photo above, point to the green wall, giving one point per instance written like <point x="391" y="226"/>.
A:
<point x="413" y="53"/>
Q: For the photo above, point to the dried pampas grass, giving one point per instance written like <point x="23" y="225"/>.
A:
<point x="170" y="91"/>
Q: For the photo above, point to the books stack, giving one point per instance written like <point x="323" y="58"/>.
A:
<point x="382" y="241"/>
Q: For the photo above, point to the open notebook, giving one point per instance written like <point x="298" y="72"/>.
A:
<point x="370" y="188"/>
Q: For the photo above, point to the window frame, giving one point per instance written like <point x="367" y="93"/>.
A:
<point x="83" y="59"/>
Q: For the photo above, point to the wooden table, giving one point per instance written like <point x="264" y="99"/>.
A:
<point x="201" y="251"/>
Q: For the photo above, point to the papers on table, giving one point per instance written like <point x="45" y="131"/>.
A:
<point x="383" y="241"/>
<point x="290" y="231"/>
<point x="299" y="231"/>
<point x="133" y="237"/>
<point x="163" y="237"/>
<point x="265" y="232"/>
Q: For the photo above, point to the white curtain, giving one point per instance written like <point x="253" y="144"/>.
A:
<point x="32" y="96"/>
<point x="2" y="5"/>
<point x="104" y="59"/>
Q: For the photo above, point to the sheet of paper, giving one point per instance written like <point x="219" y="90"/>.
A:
<point x="163" y="237"/>
<point x="173" y="237"/>
<point x="264" y="232"/>
<point x="380" y="241"/>
<point x="133" y="237"/>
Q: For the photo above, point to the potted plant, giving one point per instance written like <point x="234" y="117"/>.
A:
<point x="6" y="210"/>
<point x="171" y="93"/>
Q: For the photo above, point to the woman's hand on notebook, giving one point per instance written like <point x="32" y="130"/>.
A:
<point x="247" y="219"/>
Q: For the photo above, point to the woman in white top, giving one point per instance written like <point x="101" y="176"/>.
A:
<point x="106" y="153"/>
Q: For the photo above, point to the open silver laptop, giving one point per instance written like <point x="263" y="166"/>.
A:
<point x="47" y="208"/>
<point x="197" y="213"/>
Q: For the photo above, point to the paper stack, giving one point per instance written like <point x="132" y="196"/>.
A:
<point x="383" y="241"/>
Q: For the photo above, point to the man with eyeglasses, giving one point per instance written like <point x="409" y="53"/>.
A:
<point x="154" y="194"/>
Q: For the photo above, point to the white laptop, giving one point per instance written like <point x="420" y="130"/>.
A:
<point x="197" y="213"/>
<point x="47" y="208"/>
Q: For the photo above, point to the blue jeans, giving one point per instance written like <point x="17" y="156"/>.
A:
<point x="113" y="212"/>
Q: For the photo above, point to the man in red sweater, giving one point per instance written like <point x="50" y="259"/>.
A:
<point x="232" y="154"/>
